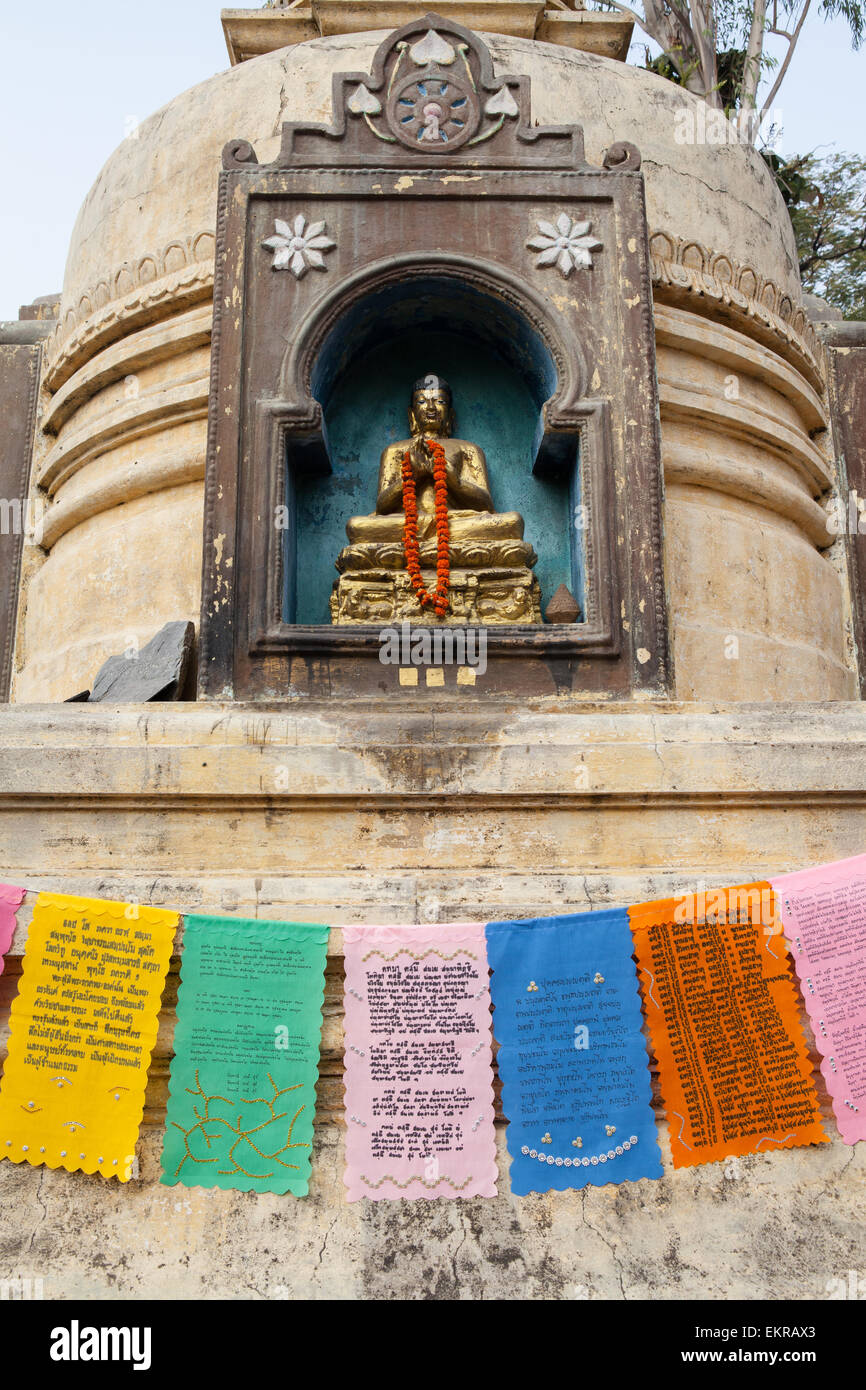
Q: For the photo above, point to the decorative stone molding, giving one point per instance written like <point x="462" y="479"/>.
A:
<point x="121" y="482"/>
<point x="164" y="283"/>
<point x="757" y="447"/>
<point x="184" y="332"/>
<point x="759" y="486"/>
<point x="678" y="326"/>
<point x="694" y="406"/>
<point x="135" y="291"/>
<point x="136" y="287"/>
<point x="251" y="32"/>
<point x="682" y="265"/>
<point x="622" y="154"/>
<point x="155" y="410"/>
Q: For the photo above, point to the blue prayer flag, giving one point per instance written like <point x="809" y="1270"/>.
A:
<point x="573" y="1060"/>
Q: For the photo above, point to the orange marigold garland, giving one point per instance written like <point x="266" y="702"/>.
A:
<point x="438" y="600"/>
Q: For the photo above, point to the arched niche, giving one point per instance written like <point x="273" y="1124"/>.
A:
<point x="503" y="373"/>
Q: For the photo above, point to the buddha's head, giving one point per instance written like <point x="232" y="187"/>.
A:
<point x="430" y="409"/>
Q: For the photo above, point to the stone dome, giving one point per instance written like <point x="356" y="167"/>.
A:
<point x="124" y="407"/>
<point x="160" y="186"/>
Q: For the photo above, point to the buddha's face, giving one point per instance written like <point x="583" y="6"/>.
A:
<point x="430" y="412"/>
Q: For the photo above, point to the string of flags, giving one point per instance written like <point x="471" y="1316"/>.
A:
<point x="708" y="984"/>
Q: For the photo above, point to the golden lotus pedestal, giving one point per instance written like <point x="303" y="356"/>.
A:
<point x="374" y="587"/>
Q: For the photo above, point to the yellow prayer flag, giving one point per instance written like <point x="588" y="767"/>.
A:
<point x="82" y="1030"/>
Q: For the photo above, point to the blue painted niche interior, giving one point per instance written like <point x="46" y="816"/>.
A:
<point x="364" y="387"/>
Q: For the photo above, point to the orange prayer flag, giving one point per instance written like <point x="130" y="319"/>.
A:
<point x="724" y="1019"/>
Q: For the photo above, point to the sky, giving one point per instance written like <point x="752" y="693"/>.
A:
<point x="75" y="74"/>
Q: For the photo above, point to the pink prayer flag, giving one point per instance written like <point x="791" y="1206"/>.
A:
<point x="419" y="1075"/>
<point x="10" y="900"/>
<point x="824" y="913"/>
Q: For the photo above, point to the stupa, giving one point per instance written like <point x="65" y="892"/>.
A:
<point x="368" y="195"/>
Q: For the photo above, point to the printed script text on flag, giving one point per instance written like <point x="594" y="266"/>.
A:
<point x="824" y="914"/>
<point x="724" y="1019"/>
<point x="82" y="1030"/>
<point x="419" y="1081"/>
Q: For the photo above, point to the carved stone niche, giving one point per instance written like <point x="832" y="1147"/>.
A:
<point x="431" y="211"/>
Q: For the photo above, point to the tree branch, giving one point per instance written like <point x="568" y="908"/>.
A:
<point x="833" y="253"/>
<point x="704" y="39"/>
<point x="754" y="53"/>
<point x="792" y="44"/>
<point x="664" y="25"/>
<point x="633" y="15"/>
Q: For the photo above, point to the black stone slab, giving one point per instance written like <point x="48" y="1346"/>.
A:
<point x="157" y="672"/>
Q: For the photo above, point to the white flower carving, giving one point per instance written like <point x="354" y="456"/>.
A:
<point x="566" y="245"/>
<point x="299" y="246"/>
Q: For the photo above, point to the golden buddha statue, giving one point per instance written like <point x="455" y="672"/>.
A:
<point x="435" y="550"/>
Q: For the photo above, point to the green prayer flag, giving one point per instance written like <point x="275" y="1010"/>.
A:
<point x="243" y="1080"/>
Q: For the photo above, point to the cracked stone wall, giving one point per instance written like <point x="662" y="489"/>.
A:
<point x="775" y="1226"/>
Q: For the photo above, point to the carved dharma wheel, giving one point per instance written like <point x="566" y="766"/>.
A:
<point x="433" y="109"/>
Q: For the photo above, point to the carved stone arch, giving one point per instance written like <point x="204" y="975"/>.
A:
<point x="202" y="246"/>
<point x="769" y="296"/>
<point x="124" y="280"/>
<point x="174" y="256"/>
<point x="695" y="255"/>
<point x="722" y="269"/>
<point x="495" y="287"/>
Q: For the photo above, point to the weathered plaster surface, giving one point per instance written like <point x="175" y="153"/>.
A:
<point x="438" y="813"/>
<point x="779" y="1226"/>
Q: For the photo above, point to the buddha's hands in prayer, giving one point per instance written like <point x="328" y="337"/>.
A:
<point x="422" y="461"/>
